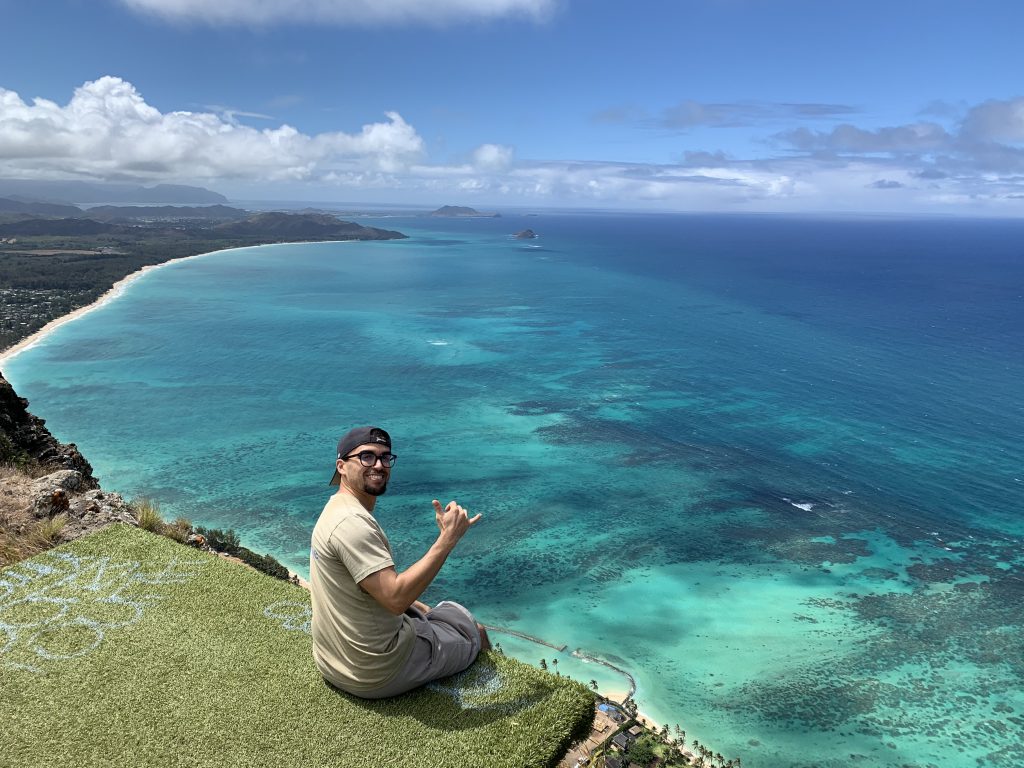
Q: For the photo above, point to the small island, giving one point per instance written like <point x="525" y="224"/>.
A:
<point x="462" y="212"/>
<point x="526" y="234"/>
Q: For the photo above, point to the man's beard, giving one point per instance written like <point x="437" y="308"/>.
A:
<point x="375" y="487"/>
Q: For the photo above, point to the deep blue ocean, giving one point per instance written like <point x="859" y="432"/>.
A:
<point x="771" y="466"/>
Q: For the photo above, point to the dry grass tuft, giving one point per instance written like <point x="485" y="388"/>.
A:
<point x="178" y="530"/>
<point x="147" y="512"/>
<point x="21" y="534"/>
<point x="16" y="520"/>
<point x="47" y="531"/>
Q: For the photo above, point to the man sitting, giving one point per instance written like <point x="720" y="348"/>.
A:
<point x="371" y="635"/>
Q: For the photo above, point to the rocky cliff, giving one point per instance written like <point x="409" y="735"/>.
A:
<point x="42" y="479"/>
<point x="24" y="439"/>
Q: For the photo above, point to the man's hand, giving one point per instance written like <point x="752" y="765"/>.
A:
<point x="453" y="521"/>
<point x="397" y="591"/>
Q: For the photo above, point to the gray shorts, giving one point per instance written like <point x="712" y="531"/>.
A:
<point x="447" y="642"/>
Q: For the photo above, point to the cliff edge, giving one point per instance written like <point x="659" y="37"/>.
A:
<point x="48" y="493"/>
<point x="25" y="440"/>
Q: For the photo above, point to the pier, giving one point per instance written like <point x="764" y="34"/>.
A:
<point x="524" y="636"/>
<point x="577" y="654"/>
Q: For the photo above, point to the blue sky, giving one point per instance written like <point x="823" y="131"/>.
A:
<point x="728" y="105"/>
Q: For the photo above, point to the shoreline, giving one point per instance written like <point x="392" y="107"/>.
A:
<point x="109" y="295"/>
<point x="119" y="288"/>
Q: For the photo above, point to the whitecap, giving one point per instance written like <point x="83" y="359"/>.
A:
<point x="437" y="342"/>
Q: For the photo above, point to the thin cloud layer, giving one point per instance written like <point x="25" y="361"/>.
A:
<point x="341" y="12"/>
<point x="108" y="131"/>
<point x="996" y="121"/>
<point x="984" y="146"/>
<point x="917" y="137"/>
<point x="690" y="114"/>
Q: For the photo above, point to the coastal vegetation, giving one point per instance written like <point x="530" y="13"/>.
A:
<point x="226" y="542"/>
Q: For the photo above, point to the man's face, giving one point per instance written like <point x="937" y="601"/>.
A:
<point x="373" y="481"/>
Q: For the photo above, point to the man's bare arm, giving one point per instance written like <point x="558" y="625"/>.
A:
<point x="397" y="591"/>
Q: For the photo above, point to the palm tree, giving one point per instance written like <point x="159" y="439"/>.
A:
<point x="555" y="662"/>
<point x="543" y="664"/>
<point x="593" y="684"/>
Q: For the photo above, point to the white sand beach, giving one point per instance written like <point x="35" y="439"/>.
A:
<point x="115" y="290"/>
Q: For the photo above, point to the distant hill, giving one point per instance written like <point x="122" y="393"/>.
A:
<point x="462" y="211"/>
<point x="102" y="192"/>
<point x="262" y="226"/>
<point x="46" y="227"/>
<point x="176" y="193"/>
<point x="302" y="226"/>
<point x="7" y="205"/>
<point x="165" y="212"/>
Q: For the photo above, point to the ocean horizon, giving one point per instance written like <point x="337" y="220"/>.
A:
<point x="771" y="466"/>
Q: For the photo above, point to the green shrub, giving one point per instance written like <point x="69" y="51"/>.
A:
<point x="642" y="752"/>
<point x="221" y="541"/>
<point x="265" y="563"/>
<point x="12" y="455"/>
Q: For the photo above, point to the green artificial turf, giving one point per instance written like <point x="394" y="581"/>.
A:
<point x="126" y="648"/>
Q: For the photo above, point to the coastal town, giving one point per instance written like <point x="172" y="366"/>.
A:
<point x="621" y="737"/>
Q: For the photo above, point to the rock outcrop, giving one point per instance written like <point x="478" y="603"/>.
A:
<point x="87" y="510"/>
<point x="68" y="488"/>
<point x="24" y="439"/>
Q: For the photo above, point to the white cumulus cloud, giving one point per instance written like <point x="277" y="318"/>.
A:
<point x="342" y="12"/>
<point x="107" y="130"/>
<point x="492" y="157"/>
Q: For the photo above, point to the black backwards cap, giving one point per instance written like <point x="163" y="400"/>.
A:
<point x="356" y="437"/>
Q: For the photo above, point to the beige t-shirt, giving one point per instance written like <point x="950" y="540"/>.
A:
<point x="358" y="645"/>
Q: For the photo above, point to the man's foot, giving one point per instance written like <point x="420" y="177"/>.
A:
<point x="485" y="641"/>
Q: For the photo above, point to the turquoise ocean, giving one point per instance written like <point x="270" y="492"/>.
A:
<point x="771" y="466"/>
